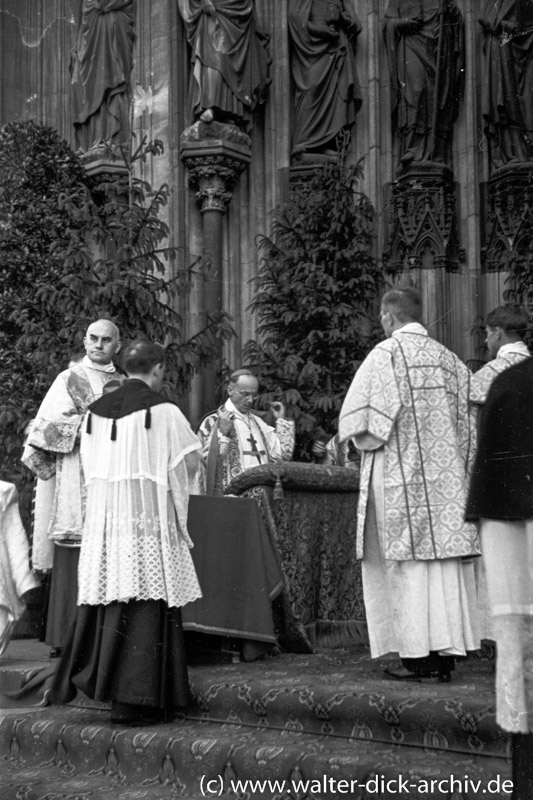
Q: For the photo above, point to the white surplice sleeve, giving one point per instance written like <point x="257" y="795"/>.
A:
<point x="185" y="469"/>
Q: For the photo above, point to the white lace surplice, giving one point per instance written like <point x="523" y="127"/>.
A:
<point x="135" y="544"/>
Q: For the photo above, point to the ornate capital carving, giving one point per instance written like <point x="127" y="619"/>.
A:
<point x="422" y="228"/>
<point x="215" y="155"/>
<point x="507" y="221"/>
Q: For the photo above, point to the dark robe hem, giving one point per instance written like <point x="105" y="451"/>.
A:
<point x="131" y="653"/>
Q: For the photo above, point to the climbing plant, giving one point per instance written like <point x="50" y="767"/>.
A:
<point x="315" y="297"/>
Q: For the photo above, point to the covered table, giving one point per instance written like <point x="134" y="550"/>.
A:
<point x="237" y="570"/>
<point x="310" y="512"/>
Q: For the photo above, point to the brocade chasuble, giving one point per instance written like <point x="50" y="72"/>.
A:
<point x="53" y="449"/>
<point x="410" y="396"/>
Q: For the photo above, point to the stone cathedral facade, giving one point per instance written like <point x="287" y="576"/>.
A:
<point x="437" y="94"/>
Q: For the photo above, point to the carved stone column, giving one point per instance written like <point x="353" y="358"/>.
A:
<point x="215" y="154"/>
<point x="104" y="162"/>
<point x="507" y="230"/>
<point x="422" y="229"/>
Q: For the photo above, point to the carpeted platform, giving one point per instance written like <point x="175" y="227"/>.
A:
<point x="321" y="718"/>
<point x="343" y="693"/>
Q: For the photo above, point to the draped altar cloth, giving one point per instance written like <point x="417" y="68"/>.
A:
<point x="312" y="525"/>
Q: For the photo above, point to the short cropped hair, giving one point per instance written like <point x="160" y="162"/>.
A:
<point x="510" y="318"/>
<point x="404" y="303"/>
<point x="234" y="377"/>
<point x="142" y="356"/>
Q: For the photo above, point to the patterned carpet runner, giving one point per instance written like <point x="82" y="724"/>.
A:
<point x="301" y="727"/>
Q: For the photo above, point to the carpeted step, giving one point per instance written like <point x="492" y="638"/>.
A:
<point x="46" y="781"/>
<point x="62" y="746"/>
<point x="341" y="693"/>
<point x="344" y="693"/>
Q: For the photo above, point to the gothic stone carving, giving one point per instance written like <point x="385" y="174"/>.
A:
<point x="424" y="40"/>
<point x="327" y="94"/>
<point x="507" y="232"/>
<point x="215" y="154"/>
<point x="101" y="65"/>
<point x="422" y="229"/>
<point x="508" y="80"/>
<point x="230" y="60"/>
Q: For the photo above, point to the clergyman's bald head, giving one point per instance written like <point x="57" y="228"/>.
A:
<point x="102" y="341"/>
<point x="106" y="323"/>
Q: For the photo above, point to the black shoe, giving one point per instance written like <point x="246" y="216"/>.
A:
<point x="431" y="666"/>
<point x="401" y="674"/>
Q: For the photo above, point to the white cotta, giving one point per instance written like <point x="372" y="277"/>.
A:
<point x="136" y="544"/>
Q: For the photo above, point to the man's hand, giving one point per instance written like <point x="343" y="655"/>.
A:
<point x="226" y="425"/>
<point x="319" y="450"/>
<point x="278" y="409"/>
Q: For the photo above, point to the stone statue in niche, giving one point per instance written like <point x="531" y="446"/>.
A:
<point x="327" y="95"/>
<point x="508" y="80"/>
<point x="101" y="64"/>
<point x="230" y="61"/>
<point x="424" y="40"/>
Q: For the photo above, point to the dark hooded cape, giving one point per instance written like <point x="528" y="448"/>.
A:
<point x="502" y="479"/>
<point x="134" y="395"/>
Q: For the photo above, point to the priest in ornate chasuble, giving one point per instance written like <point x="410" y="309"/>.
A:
<point x="235" y="439"/>
<point x="52" y="453"/>
<point x="141" y="462"/>
<point x="408" y="413"/>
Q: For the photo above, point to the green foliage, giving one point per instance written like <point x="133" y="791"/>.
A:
<point x="314" y="299"/>
<point x="73" y="249"/>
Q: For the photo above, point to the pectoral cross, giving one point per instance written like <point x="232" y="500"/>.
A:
<point x="253" y="445"/>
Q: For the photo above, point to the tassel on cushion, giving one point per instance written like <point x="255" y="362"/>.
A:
<point x="148" y="419"/>
<point x="114" y="430"/>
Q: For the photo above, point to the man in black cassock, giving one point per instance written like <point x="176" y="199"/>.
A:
<point x="141" y="462"/>
<point x="501" y="498"/>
